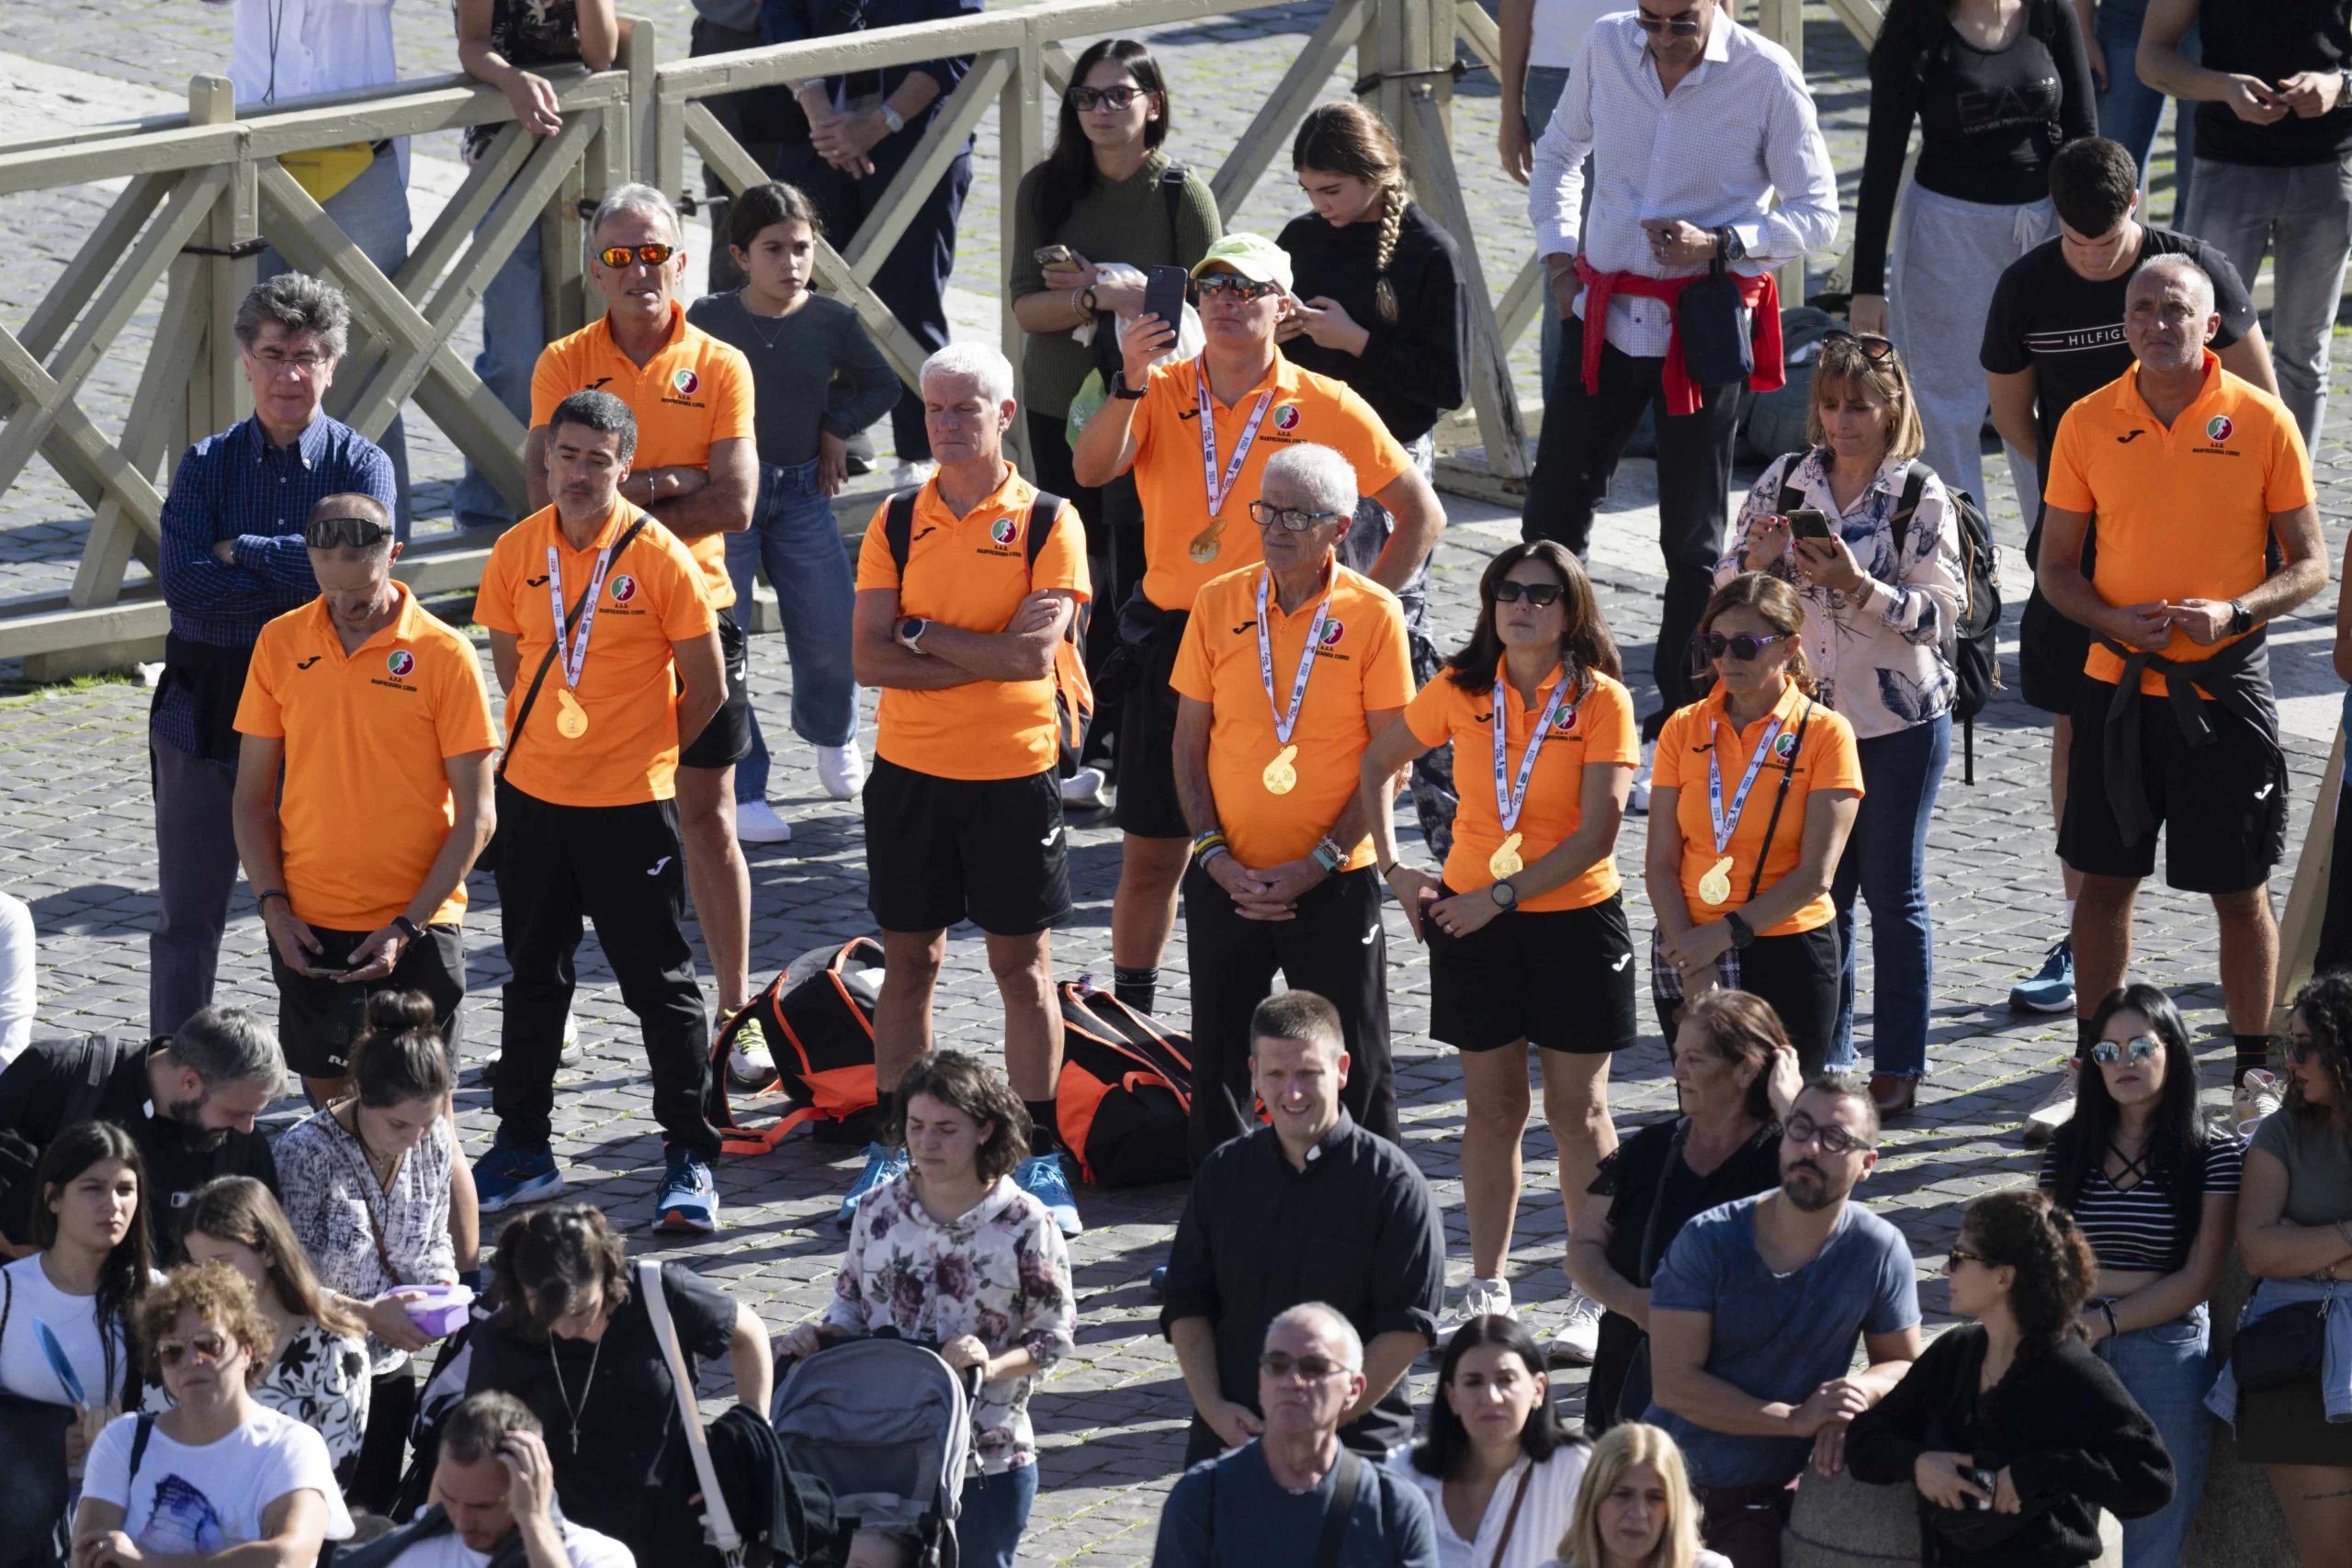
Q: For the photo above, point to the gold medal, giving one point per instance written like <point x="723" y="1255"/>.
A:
<point x="572" y="721"/>
<point x="1505" y="862"/>
<point x="1280" y="776"/>
<point x="1204" y="550"/>
<point x="1715" y="886"/>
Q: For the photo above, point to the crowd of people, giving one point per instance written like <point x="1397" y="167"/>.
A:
<point x="211" y="1339"/>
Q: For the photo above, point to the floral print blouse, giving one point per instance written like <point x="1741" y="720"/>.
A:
<point x="999" y="1272"/>
<point x="1879" y="654"/>
<point x="317" y="1378"/>
<point x="338" y="1210"/>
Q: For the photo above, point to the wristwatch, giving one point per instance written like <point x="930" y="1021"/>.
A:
<point x="911" y="632"/>
<point x="1086" y="298"/>
<point x="408" y="928"/>
<point x="2241" y="618"/>
<point x="891" y="118"/>
<point x="1119" y="387"/>
<point x="1727" y="242"/>
<point x="1741" y="935"/>
<point x="1505" y="896"/>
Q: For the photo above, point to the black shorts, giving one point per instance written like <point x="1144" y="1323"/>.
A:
<point x="2051" y="650"/>
<point x="1147" y="806"/>
<point x="990" y="850"/>
<point x="2222" y="806"/>
<point x="726" y="738"/>
<point x="1562" y="979"/>
<point x="317" y="1019"/>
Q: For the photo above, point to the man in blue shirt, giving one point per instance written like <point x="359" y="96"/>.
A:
<point x="1753" y="1317"/>
<point x="234" y="559"/>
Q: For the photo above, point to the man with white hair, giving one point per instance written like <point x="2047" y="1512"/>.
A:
<point x="966" y="589"/>
<point x="1287" y="670"/>
<point x="696" y="470"/>
<point x="2191" y="474"/>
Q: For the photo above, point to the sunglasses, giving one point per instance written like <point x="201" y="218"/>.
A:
<point x="209" y="1346"/>
<point x="1086" y="99"/>
<point x="2301" y="1051"/>
<point x="1314" y="1369"/>
<point x="1684" y="25"/>
<point x="1871" y="346"/>
<point x="1542" y="595"/>
<point x="1958" y="1255"/>
<point x="2139" y="1048"/>
<point x="1233" y="283"/>
<point x="1804" y="1129"/>
<point x="1289" y="519"/>
<point x="344" y="533"/>
<point x="1715" y="645"/>
<point x="621" y="255"/>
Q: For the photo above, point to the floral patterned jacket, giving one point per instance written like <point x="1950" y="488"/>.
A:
<point x="999" y="1272"/>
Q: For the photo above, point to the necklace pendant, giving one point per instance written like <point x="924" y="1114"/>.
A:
<point x="1202" y="550"/>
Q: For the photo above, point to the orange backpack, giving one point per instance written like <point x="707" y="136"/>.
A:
<point x="818" y="1018"/>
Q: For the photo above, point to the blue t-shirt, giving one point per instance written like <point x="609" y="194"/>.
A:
<point x="1235" y="1504"/>
<point x="1779" y="1336"/>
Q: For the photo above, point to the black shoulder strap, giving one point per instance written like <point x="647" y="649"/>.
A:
<point x="531" y="698"/>
<point x="1791" y="497"/>
<point x="139" y="1445"/>
<point x="1650" y="1247"/>
<point x="1171" y="195"/>
<point x="1043" y="514"/>
<point x="1914" y="485"/>
<point x="1343" y="1503"/>
<point x="101" y="1053"/>
<point x="1772" y="825"/>
<point x="898" y="530"/>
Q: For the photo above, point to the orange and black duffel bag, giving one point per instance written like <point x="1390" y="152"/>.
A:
<point x="1125" y="1094"/>
<point x="818" y="1018"/>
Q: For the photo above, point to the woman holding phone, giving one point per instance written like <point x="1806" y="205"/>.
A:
<point x="1869" y="537"/>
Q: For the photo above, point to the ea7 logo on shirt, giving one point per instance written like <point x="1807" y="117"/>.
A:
<point x="623" y="589"/>
<point x="1286" y="418"/>
<point x="2218" y="428"/>
<point x="400" y="663"/>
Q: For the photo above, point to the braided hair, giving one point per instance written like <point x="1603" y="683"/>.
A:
<point x="1348" y="138"/>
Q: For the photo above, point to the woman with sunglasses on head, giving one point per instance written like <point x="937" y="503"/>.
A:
<point x="2014" y="1433"/>
<point x="1530" y="904"/>
<point x="2155" y="1194"/>
<point x="1879" y="571"/>
<point x="1498" y="1469"/>
<point x="1743" y="843"/>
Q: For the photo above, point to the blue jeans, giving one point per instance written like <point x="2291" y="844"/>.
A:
<point x="1886" y="861"/>
<point x="1539" y="99"/>
<point x="996" y="1511"/>
<point x="514" y="331"/>
<point x="2130" y="110"/>
<point x="2302" y="215"/>
<point x="793" y="535"/>
<point x="2164" y="1368"/>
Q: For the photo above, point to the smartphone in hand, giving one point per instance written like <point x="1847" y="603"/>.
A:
<point x="1808" y="522"/>
<point x="1163" y="294"/>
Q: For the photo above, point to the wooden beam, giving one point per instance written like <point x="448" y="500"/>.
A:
<point x="1478" y="30"/>
<point x="1491" y="392"/>
<point x="1861" y="17"/>
<point x="73" y="437"/>
<point x="1020" y="132"/>
<point x="912" y="185"/>
<point x="116" y="532"/>
<point x="2299" y="927"/>
<point x="485" y="183"/>
<point x="1270" y="128"/>
<point x="1529" y="293"/>
<point x="129" y="214"/>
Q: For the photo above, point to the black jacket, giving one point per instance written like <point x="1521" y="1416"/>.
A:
<point x="2070" y="1436"/>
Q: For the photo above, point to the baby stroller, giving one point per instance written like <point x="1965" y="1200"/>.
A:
<point x="888" y="1425"/>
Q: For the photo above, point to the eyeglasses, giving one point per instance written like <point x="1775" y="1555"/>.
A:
<point x="1234" y="283"/>
<point x="1958" y="1255"/>
<point x="278" y="361"/>
<point x="621" y="255"/>
<point x="1715" y="645"/>
<point x="1684" y="25"/>
<point x="209" y="1346"/>
<point x="1314" y="1369"/>
<point x="1542" y="595"/>
<point x="1087" y="100"/>
<point x="344" y="533"/>
<point x="1803" y="1128"/>
<point x="1871" y="346"/>
<point x="2139" y="1048"/>
<point x="1289" y="519"/>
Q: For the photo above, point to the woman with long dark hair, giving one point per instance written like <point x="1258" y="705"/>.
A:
<point x="1499" y="1471"/>
<point x="2014" y="1433"/>
<point x="1530" y="905"/>
<point x="2155" y="1194"/>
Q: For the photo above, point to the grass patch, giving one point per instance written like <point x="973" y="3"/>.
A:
<point x="18" y="691"/>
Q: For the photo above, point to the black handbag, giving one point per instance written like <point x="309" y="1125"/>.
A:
<point x="33" y="1488"/>
<point x="1710" y="318"/>
<point x="2285" y="1345"/>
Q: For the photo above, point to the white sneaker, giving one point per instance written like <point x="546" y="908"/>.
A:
<point x="2057" y="1108"/>
<point x="1083" y="788"/>
<point x="757" y="823"/>
<point x="570" y="1055"/>
<point x="749" y="1063"/>
<point x="1480" y="1298"/>
<point x="1579" y="1337"/>
<point x="2256" y="1096"/>
<point x="1639" y="803"/>
<point x="905" y="476"/>
<point x="841" y="770"/>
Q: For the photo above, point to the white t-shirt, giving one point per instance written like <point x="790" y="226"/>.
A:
<point x="1557" y="33"/>
<point x="16" y="985"/>
<point x="583" y="1546"/>
<point x="24" y="1366"/>
<point x="192" y="1501"/>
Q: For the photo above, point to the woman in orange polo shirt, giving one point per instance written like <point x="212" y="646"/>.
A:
<point x="1526" y="930"/>
<point x="1754" y="791"/>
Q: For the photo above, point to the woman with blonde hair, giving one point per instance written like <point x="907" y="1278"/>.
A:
<point x="1634" y="1509"/>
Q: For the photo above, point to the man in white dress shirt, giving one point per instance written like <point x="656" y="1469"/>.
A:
<point x="1694" y="125"/>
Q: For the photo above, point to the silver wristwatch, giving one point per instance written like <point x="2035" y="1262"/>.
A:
<point x="891" y="118"/>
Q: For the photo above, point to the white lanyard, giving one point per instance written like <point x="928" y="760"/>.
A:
<point x="1284" y="724"/>
<point x="1221" y="487"/>
<point x="1507" y="806"/>
<point x="1725" y="826"/>
<point x="575" y="658"/>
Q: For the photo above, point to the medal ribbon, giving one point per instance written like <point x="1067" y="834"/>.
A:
<point x="1725" y="825"/>
<point x="575" y="658"/>
<point x="1221" y="487"/>
<point x="1509" y="805"/>
<point x="1283" y="726"/>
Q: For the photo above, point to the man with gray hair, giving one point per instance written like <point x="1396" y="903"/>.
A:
<point x="188" y="1102"/>
<point x="967" y="590"/>
<point x="1286" y="670"/>
<point x="232" y="560"/>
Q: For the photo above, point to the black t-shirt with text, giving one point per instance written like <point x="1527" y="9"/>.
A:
<point x="2271" y="40"/>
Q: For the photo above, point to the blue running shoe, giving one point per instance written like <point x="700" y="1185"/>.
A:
<point x="882" y="1166"/>
<point x="506" y="1176"/>
<point x="1159" y="1283"/>
<point x="1041" y="1177"/>
<point x="2052" y="990"/>
<point x="688" y="1202"/>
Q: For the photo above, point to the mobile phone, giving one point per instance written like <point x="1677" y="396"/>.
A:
<point x="1985" y="1481"/>
<point x="328" y="966"/>
<point x="1808" y="522"/>
<point x="1053" y="256"/>
<point x="1163" y="294"/>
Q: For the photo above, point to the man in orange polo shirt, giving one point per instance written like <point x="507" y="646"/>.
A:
<point x="1287" y="670"/>
<point x="594" y="624"/>
<point x="696" y="470"/>
<point x="1196" y="479"/>
<point x="962" y="601"/>
<point x="2191" y="474"/>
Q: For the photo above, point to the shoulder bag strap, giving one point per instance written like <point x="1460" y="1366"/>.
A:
<point x="1779" y="800"/>
<point x="1791" y="497"/>
<point x="897" y="531"/>
<point x="1342" y="1504"/>
<point x="138" y="1451"/>
<point x="1172" y="197"/>
<point x="1914" y="485"/>
<point x="1657" y="1198"/>
<point x="1044" y="511"/>
<point x="530" y="698"/>
<point x="657" y="1305"/>
<point x="1510" y="1520"/>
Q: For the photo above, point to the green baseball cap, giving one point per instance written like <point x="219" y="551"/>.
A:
<point x="1254" y="257"/>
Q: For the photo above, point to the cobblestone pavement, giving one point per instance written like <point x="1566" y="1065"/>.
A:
<point x="74" y="840"/>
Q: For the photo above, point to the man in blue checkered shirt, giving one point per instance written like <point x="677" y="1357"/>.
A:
<point x="232" y="560"/>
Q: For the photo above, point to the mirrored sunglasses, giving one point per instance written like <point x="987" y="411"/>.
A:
<point x="2139" y="1048"/>
<point x="344" y="533"/>
<point x="1715" y="645"/>
<point x="209" y="1346"/>
<point x="1235" y="284"/>
<point x="622" y="255"/>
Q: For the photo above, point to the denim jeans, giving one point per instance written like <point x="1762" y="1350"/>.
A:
<point x="2164" y="1370"/>
<point x="2302" y="214"/>
<point x="1539" y="99"/>
<point x="514" y="331"/>
<point x="793" y="537"/>
<point x="996" y="1512"/>
<point x="2130" y="110"/>
<point x="1886" y="861"/>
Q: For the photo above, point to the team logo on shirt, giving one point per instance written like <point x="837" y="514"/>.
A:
<point x="2218" y="428"/>
<point x="400" y="662"/>
<point x="1564" y="720"/>
<point x="1004" y="530"/>
<point x="1333" y="629"/>
<point x="1286" y="417"/>
<point x="624" y="588"/>
<point x="1785" y="746"/>
<point x="684" y="380"/>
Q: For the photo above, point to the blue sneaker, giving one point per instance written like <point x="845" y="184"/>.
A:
<point x="882" y="1166"/>
<point x="2052" y="990"/>
<point x="1041" y="1177"/>
<point x="506" y="1176"/>
<point x="689" y="1198"/>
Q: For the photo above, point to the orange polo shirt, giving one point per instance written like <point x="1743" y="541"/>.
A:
<point x="972" y="572"/>
<point x="1827" y="760"/>
<point x="1173" y="482"/>
<point x="652" y="597"/>
<point x="1363" y="664"/>
<point x="366" y="803"/>
<point x="2182" y="512"/>
<point x="694" y="392"/>
<point x="1595" y="727"/>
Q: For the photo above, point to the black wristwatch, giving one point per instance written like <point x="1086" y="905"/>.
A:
<point x="1741" y="935"/>
<point x="1086" y="298"/>
<point x="1505" y="896"/>
<point x="408" y="928"/>
<point x="2241" y="618"/>
<point x="1727" y="242"/>
<point x="1119" y="387"/>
